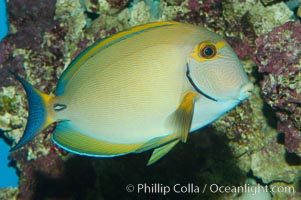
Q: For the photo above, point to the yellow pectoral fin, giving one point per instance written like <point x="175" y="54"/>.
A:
<point x="181" y="119"/>
<point x="72" y="140"/>
<point x="160" y="152"/>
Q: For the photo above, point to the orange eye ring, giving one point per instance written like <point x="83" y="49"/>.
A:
<point x="208" y="51"/>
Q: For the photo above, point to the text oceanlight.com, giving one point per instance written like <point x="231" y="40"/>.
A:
<point x="190" y="188"/>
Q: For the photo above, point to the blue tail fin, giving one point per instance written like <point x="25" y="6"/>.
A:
<point x="39" y="117"/>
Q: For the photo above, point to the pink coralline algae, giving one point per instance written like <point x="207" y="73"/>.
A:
<point x="207" y="12"/>
<point x="118" y="3"/>
<point x="31" y="19"/>
<point x="278" y="56"/>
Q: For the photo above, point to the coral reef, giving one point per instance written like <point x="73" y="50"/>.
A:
<point x="244" y="143"/>
<point x="278" y="56"/>
<point x="9" y="193"/>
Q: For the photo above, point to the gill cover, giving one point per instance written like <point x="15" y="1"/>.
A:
<point x="215" y="70"/>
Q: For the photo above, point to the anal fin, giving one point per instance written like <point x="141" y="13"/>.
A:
<point x="74" y="141"/>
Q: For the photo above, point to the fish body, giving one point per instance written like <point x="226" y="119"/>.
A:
<point x="140" y="89"/>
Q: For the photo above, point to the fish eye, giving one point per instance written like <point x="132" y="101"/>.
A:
<point x="207" y="50"/>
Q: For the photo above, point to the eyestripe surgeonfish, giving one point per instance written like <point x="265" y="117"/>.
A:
<point x="140" y="89"/>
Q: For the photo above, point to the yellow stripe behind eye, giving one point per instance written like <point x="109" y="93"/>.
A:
<point x="220" y="45"/>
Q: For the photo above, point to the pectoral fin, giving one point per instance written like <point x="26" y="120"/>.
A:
<point x="181" y="119"/>
<point x="160" y="152"/>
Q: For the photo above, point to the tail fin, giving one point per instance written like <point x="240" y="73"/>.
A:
<point x="39" y="115"/>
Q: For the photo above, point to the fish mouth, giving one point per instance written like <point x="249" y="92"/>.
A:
<point x="245" y="91"/>
<point x="194" y="86"/>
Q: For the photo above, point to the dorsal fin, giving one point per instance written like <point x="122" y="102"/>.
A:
<point x="99" y="46"/>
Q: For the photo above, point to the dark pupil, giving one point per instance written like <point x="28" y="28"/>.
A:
<point x="208" y="51"/>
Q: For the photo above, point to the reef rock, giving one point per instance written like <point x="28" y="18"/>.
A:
<point x="278" y="57"/>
